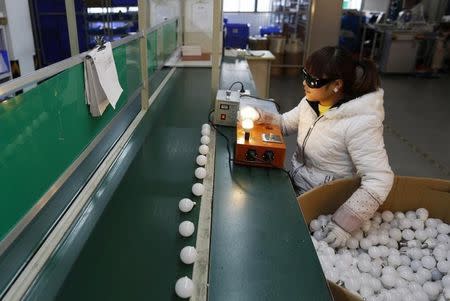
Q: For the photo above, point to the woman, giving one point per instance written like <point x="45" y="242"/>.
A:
<point x="340" y="134"/>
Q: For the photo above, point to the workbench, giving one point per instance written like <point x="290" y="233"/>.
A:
<point x="125" y="244"/>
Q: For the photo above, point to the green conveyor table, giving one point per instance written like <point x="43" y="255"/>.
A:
<point x="125" y="245"/>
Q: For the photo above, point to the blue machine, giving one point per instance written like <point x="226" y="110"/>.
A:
<point x="237" y="35"/>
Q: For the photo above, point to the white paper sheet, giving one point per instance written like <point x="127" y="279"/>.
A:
<point x="107" y="73"/>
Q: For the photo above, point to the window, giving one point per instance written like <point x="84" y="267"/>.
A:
<point x="239" y="5"/>
<point x="264" y="6"/>
<point x="246" y="6"/>
<point x="352" y="4"/>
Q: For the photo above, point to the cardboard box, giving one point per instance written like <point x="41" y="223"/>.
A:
<point x="408" y="193"/>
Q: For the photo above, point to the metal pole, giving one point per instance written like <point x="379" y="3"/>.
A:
<point x="216" y="55"/>
<point x="143" y="25"/>
<point x="72" y="26"/>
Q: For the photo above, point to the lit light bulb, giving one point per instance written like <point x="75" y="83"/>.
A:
<point x="203" y="149"/>
<point x="186" y="205"/>
<point x="200" y="173"/>
<point x="184" y="287"/>
<point x="188" y="255"/>
<point x="249" y="113"/>
<point x="186" y="228"/>
<point x="247" y="125"/>
<point x="201" y="160"/>
<point x="198" y="189"/>
<point x="205" y="139"/>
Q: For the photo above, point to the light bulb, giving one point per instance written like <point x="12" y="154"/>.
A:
<point x="394" y="260"/>
<point x="206" y="126"/>
<point x="443" y="228"/>
<point x="200" y="173"/>
<point x="314" y="225"/>
<point x="205" y="132"/>
<point x="418" y="224"/>
<point x="203" y="149"/>
<point x="247" y="124"/>
<point x="443" y="266"/>
<point x="396" y="234"/>
<point x="431" y="288"/>
<point x="188" y="255"/>
<point x="201" y="160"/>
<point x="408" y="234"/>
<point x="404" y="223"/>
<point x="416" y="265"/>
<point x="422" y="214"/>
<point x="374" y="252"/>
<point x="446" y="281"/>
<point x="421" y="235"/>
<point x="364" y="266"/>
<point x="205" y="139"/>
<point x="184" y="287"/>
<point x="436" y="275"/>
<point x="388" y="280"/>
<point x="198" y="189"/>
<point x="248" y="112"/>
<point x="411" y="215"/>
<point x="186" y="228"/>
<point x="428" y="262"/>
<point x="186" y="205"/>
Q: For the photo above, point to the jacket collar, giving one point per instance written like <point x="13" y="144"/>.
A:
<point x="367" y="104"/>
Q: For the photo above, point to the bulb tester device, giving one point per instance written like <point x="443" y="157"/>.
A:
<point x="259" y="140"/>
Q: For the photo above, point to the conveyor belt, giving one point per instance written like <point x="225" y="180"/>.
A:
<point x="132" y="251"/>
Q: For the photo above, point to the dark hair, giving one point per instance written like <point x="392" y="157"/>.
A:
<point x="338" y="63"/>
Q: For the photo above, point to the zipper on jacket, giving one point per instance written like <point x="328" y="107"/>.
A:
<point x="306" y="138"/>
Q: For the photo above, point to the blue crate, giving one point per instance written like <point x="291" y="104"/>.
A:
<point x="237" y="35"/>
<point x="268" y="30"/>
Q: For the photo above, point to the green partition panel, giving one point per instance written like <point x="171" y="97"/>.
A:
<point x="152" y="58"/>
<point x="44" y="130"/>
<point x="169" y="38"/>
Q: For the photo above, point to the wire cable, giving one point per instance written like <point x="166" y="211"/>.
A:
<point x="238" y="82"/>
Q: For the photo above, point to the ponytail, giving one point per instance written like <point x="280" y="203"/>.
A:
<point x="368" y="81"/>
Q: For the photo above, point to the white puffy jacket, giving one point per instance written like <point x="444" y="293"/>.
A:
<point x="346" y="141"/>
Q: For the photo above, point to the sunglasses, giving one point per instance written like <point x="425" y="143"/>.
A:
<point x="313" y="82"/>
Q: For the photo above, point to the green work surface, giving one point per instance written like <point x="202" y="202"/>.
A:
<point x="260" y="245"/>
<point x="132" y="251"/>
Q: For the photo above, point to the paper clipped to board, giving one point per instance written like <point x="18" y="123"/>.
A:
<point x="101" y="80"/>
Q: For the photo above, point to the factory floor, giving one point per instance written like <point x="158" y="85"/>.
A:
<point x="416" y="126"/>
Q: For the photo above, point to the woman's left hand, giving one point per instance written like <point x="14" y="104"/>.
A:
<point x="336" y="237"/>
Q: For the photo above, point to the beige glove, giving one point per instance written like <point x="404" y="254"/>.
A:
<point x="336" y="237"/>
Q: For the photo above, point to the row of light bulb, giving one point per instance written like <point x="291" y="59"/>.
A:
<point x="394" y="256"/>
<point x="184" y="286"/>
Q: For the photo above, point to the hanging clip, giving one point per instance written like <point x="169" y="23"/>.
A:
<point x="100" y="42"/>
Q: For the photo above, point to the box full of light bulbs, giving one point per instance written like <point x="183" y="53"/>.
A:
<point x="403" y="253"/>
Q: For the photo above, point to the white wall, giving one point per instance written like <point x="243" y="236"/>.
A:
<point x="19" y="33"/>
<point x="198" y="23"/>
<point x="161" y="10"/>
